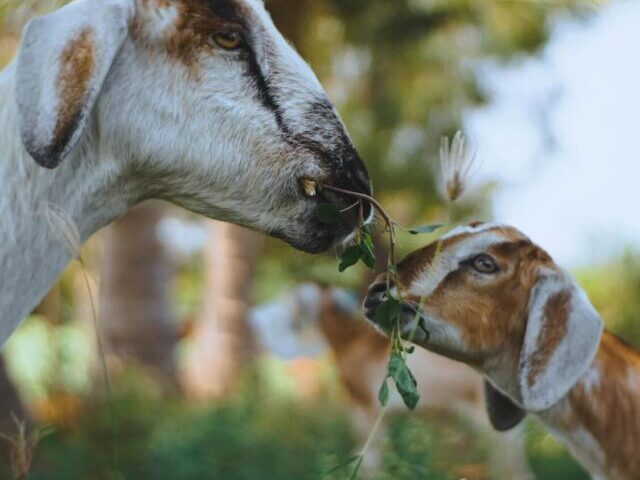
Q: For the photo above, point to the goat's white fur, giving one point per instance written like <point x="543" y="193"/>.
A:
<point x="148" y="128"/>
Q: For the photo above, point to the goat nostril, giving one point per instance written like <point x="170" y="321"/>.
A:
<point x="378" y="288"/>
<point x="361" y="180"/>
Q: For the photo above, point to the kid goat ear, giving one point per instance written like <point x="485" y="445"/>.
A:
<point x="561" y="340"/>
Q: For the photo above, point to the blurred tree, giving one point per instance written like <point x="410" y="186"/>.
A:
<point x="10" y="403"/>
<point x="614" y="289"/>
<point x="403" y="73"/>
<point x="136" y="319"/>
<point x="223" y="342"/>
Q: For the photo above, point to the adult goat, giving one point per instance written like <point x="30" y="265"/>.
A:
<point x="199" y="102"/>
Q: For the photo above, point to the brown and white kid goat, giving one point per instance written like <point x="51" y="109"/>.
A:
<point x="496" y="301"/>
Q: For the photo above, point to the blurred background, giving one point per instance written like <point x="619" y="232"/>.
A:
<point x="227" y="354"/>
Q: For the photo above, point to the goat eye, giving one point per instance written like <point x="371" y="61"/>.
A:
<point x="484" y="264"/>
<point x="228" y="40"/>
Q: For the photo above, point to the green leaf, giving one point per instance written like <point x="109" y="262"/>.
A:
<point x="369" y="228"/>
<point x="422" y="325"/>
<point x="396" y="365"/>
<point x="350" y="257"/>
<point x="367" y="255"/>
<point x="392" y="269"/>
<point x="387" y="313"/>
<point x="356" y="469"/>
<point x="344" y="464"/>
<point x="425" y="229"/>
<point x="328" y="213"/>
<point x="405" y="381"/>
<point x="383" y="394"/>
<point x="366" y="239"/>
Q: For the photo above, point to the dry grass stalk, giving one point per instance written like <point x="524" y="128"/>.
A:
<point x="455" y="163"/>
<point x="23" y="446"/>
<point x="64" y="228"/>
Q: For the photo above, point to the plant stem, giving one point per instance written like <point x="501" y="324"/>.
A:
<point x="103" y="364"/>
<point x="391" y="223"/>
<point x="366" y="197"/>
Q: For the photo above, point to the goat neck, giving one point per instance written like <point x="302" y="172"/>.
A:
<point x="599" y="419"/>
<point x="34" y="252"/>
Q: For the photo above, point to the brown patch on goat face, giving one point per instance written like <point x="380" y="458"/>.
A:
<point x="489" y="312"/>
<point x="554" y="329"/>
<point x="419" y="261"/>
<point x="196" y="24"/>
<point x="77" y="65"/>
<point x="609" y="409"/>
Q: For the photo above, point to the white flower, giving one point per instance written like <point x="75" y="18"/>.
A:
<point x="455" y="163"/>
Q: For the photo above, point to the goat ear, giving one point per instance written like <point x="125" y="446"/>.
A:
<point x="561" y="340"/>
<point x="63" y="61"/>
<point x="504" y="414"/>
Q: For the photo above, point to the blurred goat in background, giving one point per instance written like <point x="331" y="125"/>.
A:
<point x="313" y="318"/>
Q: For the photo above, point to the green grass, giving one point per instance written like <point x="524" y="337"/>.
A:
<point x="258" y="435"/>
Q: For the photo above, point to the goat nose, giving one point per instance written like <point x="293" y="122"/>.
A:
<point x="358" y="175"/>
<point x="358" y="180"/>
<point x="378" y="288"/>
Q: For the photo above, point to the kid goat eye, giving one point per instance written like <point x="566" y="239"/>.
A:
<point x="483" y="263"/>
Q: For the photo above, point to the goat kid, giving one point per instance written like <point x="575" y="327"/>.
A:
<point x="496" y="301"/>
<point x="199" y="102"/>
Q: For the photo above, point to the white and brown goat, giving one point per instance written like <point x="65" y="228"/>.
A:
<point x="493" y="299"/>
<point x="199" y="102"/>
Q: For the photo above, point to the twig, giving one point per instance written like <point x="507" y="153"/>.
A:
<point x="103" y="365"/>
<point x="391" y="223"/>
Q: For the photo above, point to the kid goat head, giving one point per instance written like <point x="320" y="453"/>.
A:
<point x="491" y="298"/>
<point x="494" y="300"/>
<point x="200" y="102"/>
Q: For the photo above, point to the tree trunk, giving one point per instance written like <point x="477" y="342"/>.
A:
<point x="223" y="342"/>
<point x="10" y="403"/>
<point x="135" y="319"/>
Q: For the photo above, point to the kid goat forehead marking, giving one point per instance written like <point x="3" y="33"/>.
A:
<point x="457" y="245"/>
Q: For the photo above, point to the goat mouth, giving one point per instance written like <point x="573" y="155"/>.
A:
<point x="310" y="187"/>
<point x="373" y="301"/>
<point x="408" y="312"/>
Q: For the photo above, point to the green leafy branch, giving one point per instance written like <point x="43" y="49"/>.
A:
<point x="389" y="313"/>
<point x="455" y="166"/>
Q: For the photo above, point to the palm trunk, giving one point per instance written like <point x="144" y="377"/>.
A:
<point x="10" y="404"/>
<point x="223" y="342"/>
<point x="136" y="320"/>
